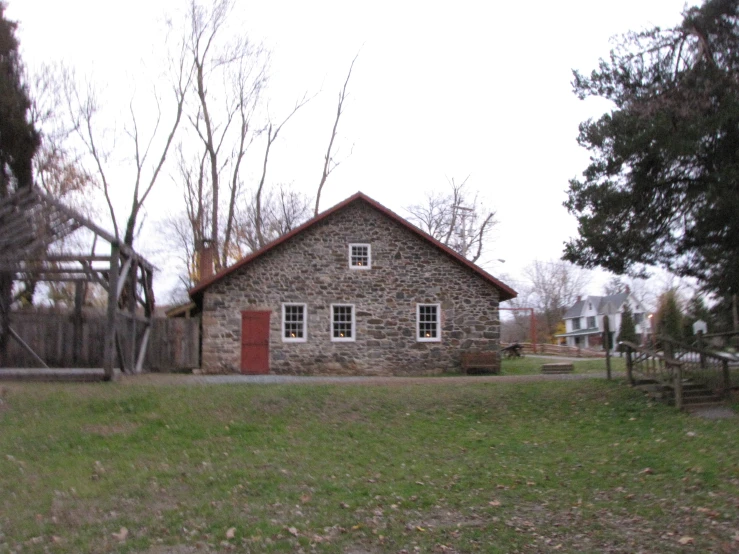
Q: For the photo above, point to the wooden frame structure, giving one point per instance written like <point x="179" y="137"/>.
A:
<point x="31" y="222"/>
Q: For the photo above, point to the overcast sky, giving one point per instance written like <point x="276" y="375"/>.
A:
<point x="440" y="90"/>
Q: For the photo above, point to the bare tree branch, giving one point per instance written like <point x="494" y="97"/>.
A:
<point x="328" y="162"/>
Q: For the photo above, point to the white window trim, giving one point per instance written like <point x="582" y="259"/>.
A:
<point x="437" y="338"/>
<point x="353" y="338"/>
<point x="369" y="256"/>
<point x="304" y="338"/>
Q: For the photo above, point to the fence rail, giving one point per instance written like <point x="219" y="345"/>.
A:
<point x="677" y="364"/>
<point x="559" y="350"/>
<point x="174" y="344"/>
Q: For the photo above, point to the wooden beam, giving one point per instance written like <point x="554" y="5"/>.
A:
<point x="112" y="309"/>
<point x="121" y="357"/>
<point x="128" y="251"/>
<point x="55" y="278"/>
<point x="129" y="316"/>
<point x="122" y="276"/>
<point x="143" y="349"/>
<point x="132" y="310"/>
<point x="97" y="276"/>
<point x="54" y="258"/>
<point x="77" y="322"/>
<point x="27" y="348"/>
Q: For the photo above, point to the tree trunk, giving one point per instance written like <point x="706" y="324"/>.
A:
<point x="6" y="291"/>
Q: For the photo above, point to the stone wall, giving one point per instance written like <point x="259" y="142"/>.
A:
<point x="312" y="268"/>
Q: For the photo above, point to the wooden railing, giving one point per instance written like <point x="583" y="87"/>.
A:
<point x="708" y="367"/>
<point x="558" y="350"/>
<point x="677" y="363"/>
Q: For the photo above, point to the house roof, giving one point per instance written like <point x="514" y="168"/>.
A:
<point x="506" y="292"/>
<point x="604" y="305"/>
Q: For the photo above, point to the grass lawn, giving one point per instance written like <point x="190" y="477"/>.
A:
<point x="532" y="365"/>
<point x="575" y="466"/>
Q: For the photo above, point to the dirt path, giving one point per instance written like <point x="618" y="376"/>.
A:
<point x="184" y="379"/>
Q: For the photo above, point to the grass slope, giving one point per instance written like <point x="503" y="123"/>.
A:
<point x="586" y="466"/>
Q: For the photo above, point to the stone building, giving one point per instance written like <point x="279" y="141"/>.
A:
<point x="355" y="290"/>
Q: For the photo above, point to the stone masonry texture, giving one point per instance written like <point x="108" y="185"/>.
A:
<point x="312" y="268"/>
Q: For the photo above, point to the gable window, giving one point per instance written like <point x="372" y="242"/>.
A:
<point x="294" y="323"/>
<point x="360" y="256"/>
<point x="427" y="323"/>
<point x="576" y="324"/>
<point x="638" y="318"/>
<point x="591" y="322"/>
<point x="342" y="322"/>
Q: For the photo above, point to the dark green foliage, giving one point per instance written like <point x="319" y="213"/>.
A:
<point x="669" y="317"/>
<point x="18" y="139"/>
<point x="663" y="183"/>
<point x="627" y="331"/>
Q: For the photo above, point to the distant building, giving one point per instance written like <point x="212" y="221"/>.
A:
<point x="584" y="321"/>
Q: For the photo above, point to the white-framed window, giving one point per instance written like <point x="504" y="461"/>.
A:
<point x="342" y="323"/>
<point x="360" y="256"/>
<point x="576" y="324"/>
<point x="428" y="322"/>
<point x="591" y="322"/>
<point x="294" y="323"/>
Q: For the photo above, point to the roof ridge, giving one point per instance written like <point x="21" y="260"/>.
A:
<point x="506" y="292"/>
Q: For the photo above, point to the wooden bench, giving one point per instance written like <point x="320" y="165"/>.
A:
<point x="480" y="362"/>
<point x="557" y="368"/>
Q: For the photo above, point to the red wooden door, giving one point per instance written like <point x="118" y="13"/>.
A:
<point x="255" y="343"/>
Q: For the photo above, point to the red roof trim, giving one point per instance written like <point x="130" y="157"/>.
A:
<point x="506" y="292"/>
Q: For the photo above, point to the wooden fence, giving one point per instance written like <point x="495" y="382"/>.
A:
<point x="559" y="350"/>
<point x="174" y="344"/>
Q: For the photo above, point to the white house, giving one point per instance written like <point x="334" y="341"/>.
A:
<point x="584" y="320"/>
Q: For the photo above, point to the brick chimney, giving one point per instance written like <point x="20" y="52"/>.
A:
<point x="205" y="257"/>
<point x="579" y="298"/>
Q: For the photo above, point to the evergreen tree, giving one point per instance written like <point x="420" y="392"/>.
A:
<point x="18" y="138"/>
<point x="662" y="186"/>
<point x="669" y="317"/>
<point x="627" y="332"/>
<point x="18" y="143"/>
<point x="696" y="309"/>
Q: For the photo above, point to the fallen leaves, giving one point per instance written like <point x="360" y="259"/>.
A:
<point x="120" y="535"/>
<point x="231" y="533"/>
<point x="686" y="540"/>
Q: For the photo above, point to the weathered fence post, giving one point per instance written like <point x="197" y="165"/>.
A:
<point x="727" y="379"/>
<point x="701" y="346"/>
<point x="629" y="367"/>
<point x="678" y="385"/>
<point x="607" y="342"/>
<point x="110" y="331"/>
<point x="77" y="323"/>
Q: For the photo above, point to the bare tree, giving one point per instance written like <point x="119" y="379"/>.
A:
<point x="281" y="211"/>
<point x="329" y="163"/>
<point x="456" y="219"/>
<point x="222" y="115"/>
<point x="272" y="133"/>
<point x="554" y="287"/>
<point x="84" y="107"/>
